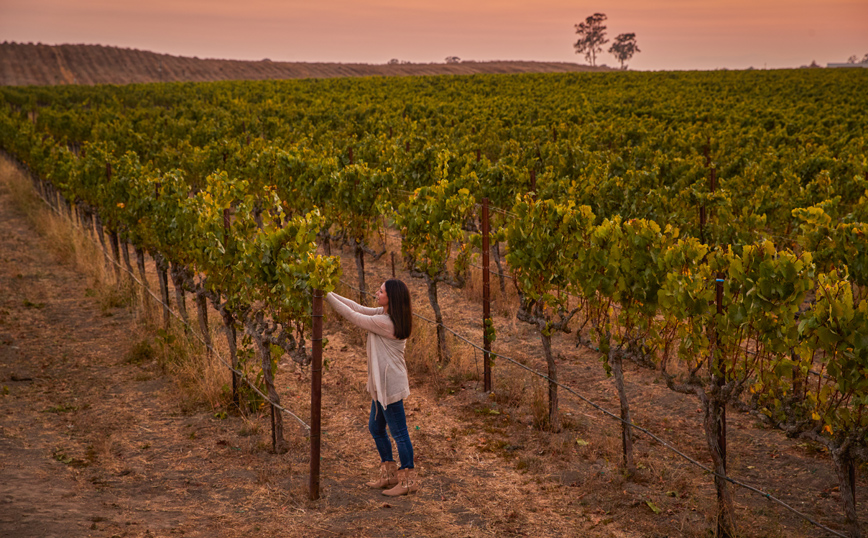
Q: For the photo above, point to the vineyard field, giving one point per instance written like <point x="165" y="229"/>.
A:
<point x="698" y="235"/>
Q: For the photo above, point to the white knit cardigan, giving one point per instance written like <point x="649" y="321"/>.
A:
<point x="387" y="371"/>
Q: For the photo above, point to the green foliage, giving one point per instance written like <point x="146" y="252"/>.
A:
<point x="839" y="245"/>
<point x="431" y="223"/>
<point x="545" y="240"/>
<point x="358" y="196"/>
<point x="834" y="342"/>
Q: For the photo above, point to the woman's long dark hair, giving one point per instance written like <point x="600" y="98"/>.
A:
<point x="400" y="310"/>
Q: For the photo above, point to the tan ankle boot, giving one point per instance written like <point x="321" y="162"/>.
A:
<point x="387" y="476"/>
<point x="407" y="483"/>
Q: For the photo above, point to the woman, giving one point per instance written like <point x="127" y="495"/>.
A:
<point x="389" y="325"/>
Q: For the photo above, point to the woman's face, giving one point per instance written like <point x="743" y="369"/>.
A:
<point x="382" y="298"/>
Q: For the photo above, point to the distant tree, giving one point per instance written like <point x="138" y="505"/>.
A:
<point x="624" y="48"/>
<point x="453" y="59"/>
<point x="865" y="58"/>
<point x="592" y="37"/>
<point x="853" y="59"/>
<point x="394" y="61"/>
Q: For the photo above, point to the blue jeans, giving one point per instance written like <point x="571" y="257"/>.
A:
<point x="394" y="417"/>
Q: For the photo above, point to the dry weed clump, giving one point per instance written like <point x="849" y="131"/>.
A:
<point x="503" y="305"/>
<point x="539" y="404"/>
<point x="466" y="363"/>
<point x="420" y="353"/>
<point x="473" y="286"/>
<point x="202" y="380"/>
<point x="142" y="352"/>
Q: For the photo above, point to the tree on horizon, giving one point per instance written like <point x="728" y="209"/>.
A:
<point x="592" y="37"/>
<point x="624" y="48"/>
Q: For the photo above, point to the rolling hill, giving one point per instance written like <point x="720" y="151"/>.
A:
<point x="37" y="64"/>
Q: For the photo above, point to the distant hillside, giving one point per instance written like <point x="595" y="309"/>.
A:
<point x="28" y="64"/>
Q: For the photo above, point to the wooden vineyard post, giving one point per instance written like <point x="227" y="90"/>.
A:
<point x="702" y="215"/>
<point x="100" y="234"/>
<point x="273" y="431"/>
<point x="721" y="367"/>
<point x="360" y="266"/>
<point x="229" y="321"/>
<point x="125" y="252"/>
<point x="163" y="277"/>
<point x="140" y="263"/>
<point x="478" y="154"/>
<point x="712" y="180"/>
<point x="486" y="299"/>
<point x="202" y="309"/>
<point x="113" y="235"/>
<point x="393" y="264"/>
<point x="114" y="243"/>
<point x="717" y="414"/>
<point x="315" y="393"/>
<point x="351" y="155"/>
<point x="725" y="515"/>
<point x="533" y="182"/>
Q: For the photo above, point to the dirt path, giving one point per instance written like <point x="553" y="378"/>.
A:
<point x="85" y="438"/>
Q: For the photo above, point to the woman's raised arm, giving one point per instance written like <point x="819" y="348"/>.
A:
<point x="374" y="321"/>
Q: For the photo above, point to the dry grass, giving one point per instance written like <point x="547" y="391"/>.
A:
<point x="201" y="378"/>
<point x="501" y="304"/>
<point x="420" y="353"/>
<point x="67" y="242"/>
<point x="539" y="404"/>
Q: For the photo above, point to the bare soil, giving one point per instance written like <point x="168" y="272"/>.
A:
<point x="37" y="64"/>
<point x="96" y="443"/>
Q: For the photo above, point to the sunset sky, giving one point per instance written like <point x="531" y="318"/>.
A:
<point x="672" y="34"/>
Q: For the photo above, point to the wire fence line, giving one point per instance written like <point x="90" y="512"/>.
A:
<point x="532" y="371"/>
<point x="608" y="413"/>
<point x="242" y="375"/>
